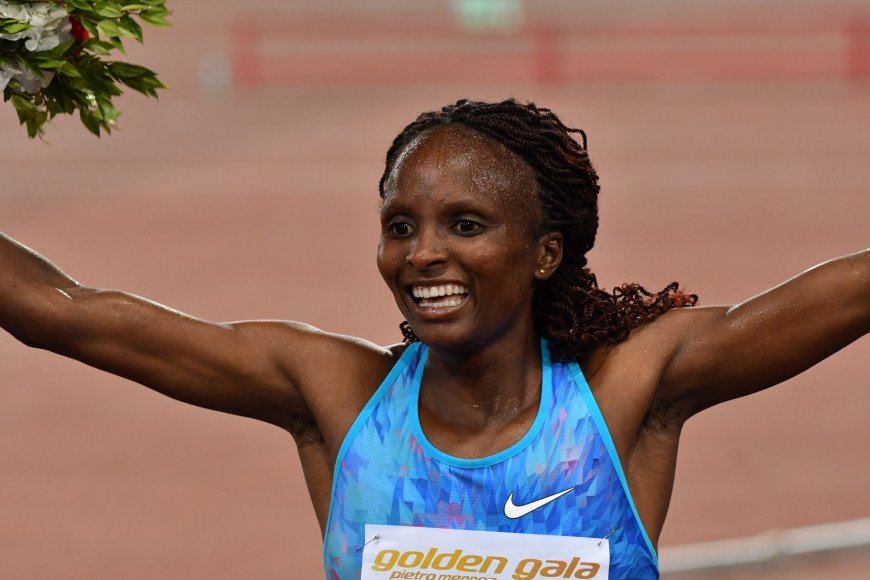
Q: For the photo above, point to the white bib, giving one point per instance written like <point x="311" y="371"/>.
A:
<point x="412" y="553"/>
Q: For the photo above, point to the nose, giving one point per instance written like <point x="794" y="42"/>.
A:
<point x="427" y="249"/>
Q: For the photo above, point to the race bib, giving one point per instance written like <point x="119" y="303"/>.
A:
<point x="411" y="553"/>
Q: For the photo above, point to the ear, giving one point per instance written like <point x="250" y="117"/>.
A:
<point x="549" y="255"/>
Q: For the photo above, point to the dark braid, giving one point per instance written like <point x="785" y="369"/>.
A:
<point x="570" y="310"/>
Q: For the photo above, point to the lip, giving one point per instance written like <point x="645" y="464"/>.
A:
<point x="438" y="312"/>
<point x="434" y="313"/>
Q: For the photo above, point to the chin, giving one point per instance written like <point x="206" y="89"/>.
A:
<point x="443" y="337"/>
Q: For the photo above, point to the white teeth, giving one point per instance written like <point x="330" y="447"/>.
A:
<point x="435" y="291"/>
<point x="441" y="303"/>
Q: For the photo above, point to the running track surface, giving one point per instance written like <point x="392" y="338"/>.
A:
<point x="262" y="204"/>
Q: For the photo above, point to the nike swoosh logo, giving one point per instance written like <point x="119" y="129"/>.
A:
<point x="517" y="511"/>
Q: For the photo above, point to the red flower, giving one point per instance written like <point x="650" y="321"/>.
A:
<point x="78" y="31"/>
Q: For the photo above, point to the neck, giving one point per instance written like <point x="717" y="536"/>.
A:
<point x="496" y="378"/>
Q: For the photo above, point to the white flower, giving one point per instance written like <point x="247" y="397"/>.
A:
<point x="6" y="75"/>
<point x="14" y="11"/>
<point x="49" y="25"/>
<point x="29" y="81"/>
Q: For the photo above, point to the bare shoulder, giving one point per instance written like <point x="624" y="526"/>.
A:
<point x="650" y="348"/>
<point x="306" y="352"/>
<point x="629" y="378"/>
<point x="334" y="374"/>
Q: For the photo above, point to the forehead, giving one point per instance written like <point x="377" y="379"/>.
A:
<point x="453" y="158"/>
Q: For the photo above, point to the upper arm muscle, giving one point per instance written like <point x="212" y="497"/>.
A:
<point x="724" y="353"/>
<point x="241" y="368"/>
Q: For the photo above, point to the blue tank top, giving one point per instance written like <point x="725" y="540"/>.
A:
<point x="387" y="472"/>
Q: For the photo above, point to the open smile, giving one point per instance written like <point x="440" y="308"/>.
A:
<point x="439" y="299"/>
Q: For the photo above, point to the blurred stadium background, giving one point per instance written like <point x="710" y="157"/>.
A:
<point x="732" y="141"/>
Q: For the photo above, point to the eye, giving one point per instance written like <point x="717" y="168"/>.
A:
<point x="400" y="229"/>
<point x="467" y="227"/>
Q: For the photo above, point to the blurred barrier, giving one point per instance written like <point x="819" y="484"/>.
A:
<point x="770" y="548"/>
<point x="859" y="48"/>
<point x="432" y="46"/>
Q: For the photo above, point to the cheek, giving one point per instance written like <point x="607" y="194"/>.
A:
<point x="502" y="251"/>
<point x="519" y="263"/>
<point x="388" y="260"/>
<point x="380" y="259"/>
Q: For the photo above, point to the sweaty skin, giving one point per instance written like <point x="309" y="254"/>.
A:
<point x="459" y="209"/>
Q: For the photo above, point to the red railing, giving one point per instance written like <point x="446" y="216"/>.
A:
<point x="426" y="48"/>
<point x="858" y="53"/>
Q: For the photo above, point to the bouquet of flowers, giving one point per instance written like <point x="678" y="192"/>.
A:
<point x="50" y="58"/>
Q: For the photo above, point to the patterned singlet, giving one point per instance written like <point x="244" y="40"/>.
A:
<point x="387" y="472"/>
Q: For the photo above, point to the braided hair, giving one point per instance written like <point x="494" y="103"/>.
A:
<point x="570" y="310"/>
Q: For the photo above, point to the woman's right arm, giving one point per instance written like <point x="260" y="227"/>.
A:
<point x="254" y="369"/>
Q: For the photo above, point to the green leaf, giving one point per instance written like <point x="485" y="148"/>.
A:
<point x="155" y="16"/>
<point x="49" y="63"/>
<point x="80" y="4"/>
<point x="126" y="70"/>
<point x="70" y="70"/>
<point x="108" y="11"/>
<point x="90" y="121"/>
<point x="29" y="115"/>
<point x="34" y="124"/>
<point x="116" y="42"/>
<point x="11" y="26"/>
<point x="89" y="26"/>
<point x="97" y="46"/>
<point x="146" y="85"/>
<point x="129" y="26"/>
<point x="32" y="66"/>
<point x="109" y="113"/>
<point x="60" y="51"/>
<point x="108" y="28"/>
<point x="22" y="104"/>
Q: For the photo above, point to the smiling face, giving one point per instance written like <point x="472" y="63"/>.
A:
<point x="459" y="247"/>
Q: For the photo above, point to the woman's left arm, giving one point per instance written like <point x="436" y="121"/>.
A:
<point x="722" y="353"/>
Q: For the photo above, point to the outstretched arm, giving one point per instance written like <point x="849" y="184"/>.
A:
<point x="723" y="353"/>
<point x="253" y="369"/>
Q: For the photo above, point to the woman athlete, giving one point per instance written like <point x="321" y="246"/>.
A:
<point x="524" y="400"/>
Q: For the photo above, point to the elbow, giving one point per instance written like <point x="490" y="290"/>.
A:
<point x="860" y="269"/>
<point x="26" y="340"/>
<point x="50" y="318"/>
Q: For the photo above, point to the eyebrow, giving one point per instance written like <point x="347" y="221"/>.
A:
<point x="450" y="207"/>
